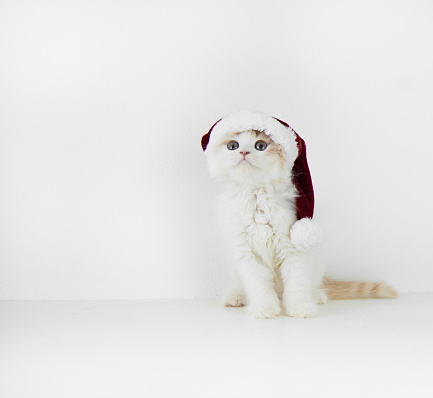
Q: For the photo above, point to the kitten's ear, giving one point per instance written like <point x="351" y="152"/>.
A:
<point x="206" y="137"/>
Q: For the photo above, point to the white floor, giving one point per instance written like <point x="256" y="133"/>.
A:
<point x="362" y="348"/>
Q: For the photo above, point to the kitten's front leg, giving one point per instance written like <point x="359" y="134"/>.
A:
<point x="259" y="282"/>
<point x="235" y="296"/>
<point x="298" y="300"/>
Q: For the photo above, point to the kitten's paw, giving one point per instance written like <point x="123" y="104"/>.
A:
<point x="236" y="298"/>
<point x="320" y="296"/>
<point x="265" y="309"/>
<point x="302" y="310"/>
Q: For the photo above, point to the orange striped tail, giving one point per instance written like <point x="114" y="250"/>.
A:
<point x="342" y="290"/>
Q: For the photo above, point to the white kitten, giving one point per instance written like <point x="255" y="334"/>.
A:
<point x="253" y="156"/>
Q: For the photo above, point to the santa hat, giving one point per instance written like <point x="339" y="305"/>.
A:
<point x="305" y="233"/>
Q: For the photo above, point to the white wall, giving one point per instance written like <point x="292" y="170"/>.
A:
<point x="103" y="186"/>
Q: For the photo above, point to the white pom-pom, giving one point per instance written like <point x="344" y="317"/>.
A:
<point x="306" y="234"/>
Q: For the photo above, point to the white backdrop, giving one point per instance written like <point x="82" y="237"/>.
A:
<point x="103" y="187"/>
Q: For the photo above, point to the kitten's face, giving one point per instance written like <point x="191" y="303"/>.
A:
<point x="249" y="156"/>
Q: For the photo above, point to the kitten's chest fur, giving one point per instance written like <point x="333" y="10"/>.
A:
<point x="259" y="221"/>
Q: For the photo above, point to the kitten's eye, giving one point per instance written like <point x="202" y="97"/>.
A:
<point x="232" y="145"/>
<point x="261" y="145"/>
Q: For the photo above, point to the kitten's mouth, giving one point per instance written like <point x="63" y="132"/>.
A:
<point x="245" y="160"/>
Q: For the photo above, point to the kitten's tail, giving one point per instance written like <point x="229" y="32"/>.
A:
<point x="341" y="290"/>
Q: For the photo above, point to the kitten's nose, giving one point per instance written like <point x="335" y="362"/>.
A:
<point x="245" y="153"/>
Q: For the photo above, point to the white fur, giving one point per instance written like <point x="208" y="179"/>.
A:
<point x="257" y="210"/>
<point x="257" y="221"/>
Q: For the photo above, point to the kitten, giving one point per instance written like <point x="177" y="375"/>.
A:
<point x="258" y="207"/>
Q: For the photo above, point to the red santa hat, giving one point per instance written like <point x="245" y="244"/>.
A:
<point x="305" y="233"/>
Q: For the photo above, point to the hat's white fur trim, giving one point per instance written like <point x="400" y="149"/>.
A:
<point x="306" y="234"/>
<point x="257" y="120"/>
